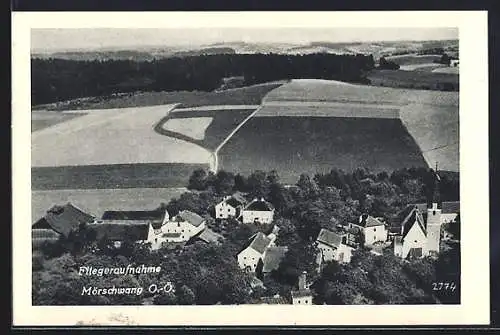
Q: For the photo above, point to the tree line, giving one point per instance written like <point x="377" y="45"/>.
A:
<point x="59" y="79"/>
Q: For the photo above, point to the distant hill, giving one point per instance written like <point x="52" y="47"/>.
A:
<point x="377" y="49"/>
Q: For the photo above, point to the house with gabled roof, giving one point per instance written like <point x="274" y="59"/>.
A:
<point x="230" y="206"/>
<point x="117" y="231"/>
<point x="254" y="251"/>
<point x="333" y="246"/>
<point x="258" y="211"/>
<point x="372" y="229"/>
<point x="179" y="228"/>
<point x="208" y="236"/>
<point x="63" y="219"/>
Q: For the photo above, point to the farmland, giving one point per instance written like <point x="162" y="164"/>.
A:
<point x="154" y="175"/>
<point x="250" y="95"/>
<point x="412" y="59"/>
<point x="98" y="201"/>
<point x="415" y="79"/>
<point x="223" y="121"/>
<point x="41" y="120"/>
<point x="293" y="145"/>
<point x="121" y="136"/>
<point x="314" y="125"/>
<point x="334" y="91"/>
<point x="426" y="67"/>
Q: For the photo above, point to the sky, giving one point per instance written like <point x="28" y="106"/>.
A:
<point x="98" y="38"/>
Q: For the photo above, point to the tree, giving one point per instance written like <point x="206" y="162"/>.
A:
<point x="308" y="186"/>
<point x="167" y="298"/>
<point x="258" y="185"/>
<point x="387" y="65"/>
<point x="224" y="182"/>
<point x="185" y="296"/>
<point x="198" y="180"/>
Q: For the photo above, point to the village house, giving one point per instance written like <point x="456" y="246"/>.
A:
<point x="117" y="231"/>
<point x="302" y="296"/>
<point x="207" y="236"/>
<point x="258" y="211"/>
<point x="230" y="206"/>
<point x="333" y="246"/>
<point x="254" y="251"/>
<point x="179" y="228"/>
<point x="372" y="229"/>
<point x="61" y="220"/>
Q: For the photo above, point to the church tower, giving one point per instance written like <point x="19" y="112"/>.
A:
<point x="434" y="218"/>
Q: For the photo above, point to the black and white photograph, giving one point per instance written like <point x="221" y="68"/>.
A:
<point x="227" y="165"/>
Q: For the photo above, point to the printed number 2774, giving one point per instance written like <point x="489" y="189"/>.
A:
<point x="444" y="286"/>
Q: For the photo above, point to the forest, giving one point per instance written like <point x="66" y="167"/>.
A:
<point x="209" y="274"/>
<point x="55" y="80"/>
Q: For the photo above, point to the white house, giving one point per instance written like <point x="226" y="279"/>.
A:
<point x="254" y="251"/>
<point x="302" y="296"/>
<point x="372" y="229"/>
<point x="230" y="206"/>
<point x="180" y="228"/>
<point x="333" y="246"/>
<point x="258" y="211"/>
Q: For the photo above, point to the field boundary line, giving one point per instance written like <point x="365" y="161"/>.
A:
<point x="215" y="166"/>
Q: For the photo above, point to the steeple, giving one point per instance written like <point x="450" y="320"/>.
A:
<point x="436" y="197"/>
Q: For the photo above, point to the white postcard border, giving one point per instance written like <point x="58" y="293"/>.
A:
<point x="474" y="176"/>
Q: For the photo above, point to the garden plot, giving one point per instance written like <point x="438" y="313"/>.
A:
<point x="194" y="127"/>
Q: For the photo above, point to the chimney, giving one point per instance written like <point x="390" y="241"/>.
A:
<point x="302" y="281"/>
<point x="363" y="218"/>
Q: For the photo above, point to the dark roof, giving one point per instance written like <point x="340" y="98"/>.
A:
<point x="150" y="215"/>
<point x="414" y="217"/>
<point x="234" y="202"/>
<point x="273" y="258"/>
<point x="63" y="219"/>
<point x="44" y="234"/>
<point x="422" y="207"/>
<point x="171" y="234"/>
<point x="369" y="221"/>
<point x="118" y="230"/>
<point x="259" y="205"/>
<point x="260" y="242"/>
<point x="329" y="238"/>
<point x="301" y="293"/>
<point x="191" y="217"/>
<point x="274" y="300"/>
<point x="209" y="236"/>
<point x="448" y="207"/>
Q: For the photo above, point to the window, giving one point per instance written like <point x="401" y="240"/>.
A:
<point x="416" y="241"/>
<point x="433" y="212"/>
<point x="374" y="229"/>
<point x="178" y="224"/>
<point x="374" y="237"/>
<point x="298" y="301"/>
<point x="156" y="240"/>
